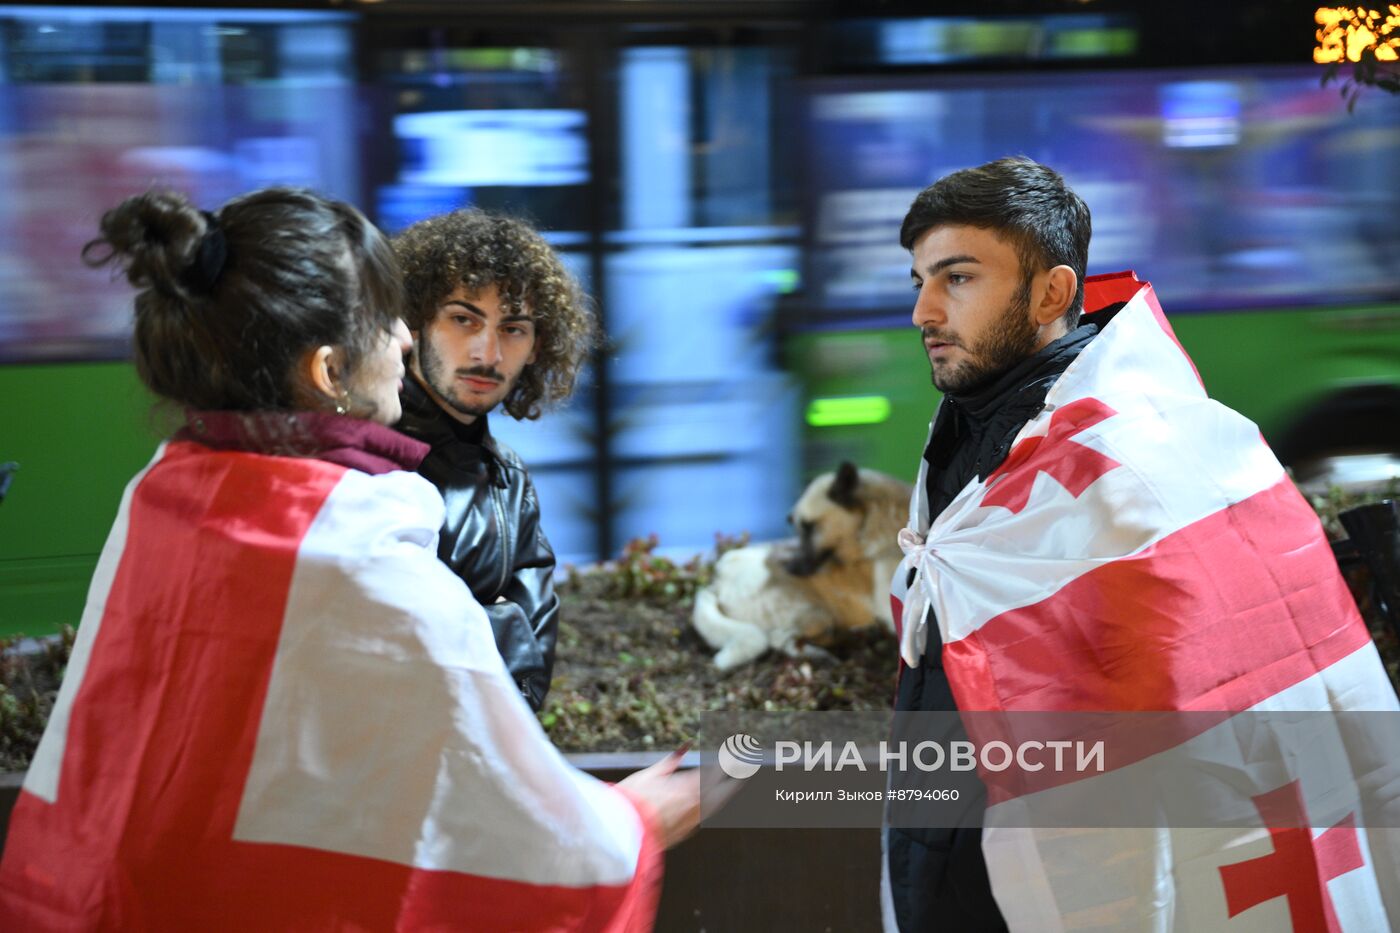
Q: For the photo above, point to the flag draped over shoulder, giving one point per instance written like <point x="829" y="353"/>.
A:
<point x="283" y="713"/>
<point x="1141" y="549"/>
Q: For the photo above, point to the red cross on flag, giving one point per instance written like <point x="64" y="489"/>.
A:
<point x="284" y="713"/>
<point x="1299" y="866"/>
<point x="1141" y="549"/>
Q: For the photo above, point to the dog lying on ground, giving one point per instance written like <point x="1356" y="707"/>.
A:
<point x="795" y="595"/>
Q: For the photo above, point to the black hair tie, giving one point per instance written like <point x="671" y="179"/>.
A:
<point x="209" y="258"/>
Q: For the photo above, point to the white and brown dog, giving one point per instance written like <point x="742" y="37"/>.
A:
<point x="795" y="594"/>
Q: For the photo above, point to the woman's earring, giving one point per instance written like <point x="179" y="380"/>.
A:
<point x="342" y="403"/>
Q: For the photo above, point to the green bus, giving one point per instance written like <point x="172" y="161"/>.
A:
<point x="1260" y="209"/>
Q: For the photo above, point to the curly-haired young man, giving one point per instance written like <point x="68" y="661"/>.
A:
<point x="496" y="320"/>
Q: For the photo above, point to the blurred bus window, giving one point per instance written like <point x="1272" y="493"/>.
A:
<point x="97" y="104"/>
<point x="502" y="128"/>
<point x="1229" y="189"/>
<point x="706" y="240"/>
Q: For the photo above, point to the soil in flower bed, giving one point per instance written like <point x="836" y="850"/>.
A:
<point x="633" y="674"/>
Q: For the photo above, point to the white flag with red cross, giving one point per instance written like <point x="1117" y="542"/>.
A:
<point x="1141" y="549"/>
<point x="283" y="712"/>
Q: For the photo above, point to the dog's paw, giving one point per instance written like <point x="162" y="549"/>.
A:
<point x="737" y="654"/>
<point x="814" y="653"/>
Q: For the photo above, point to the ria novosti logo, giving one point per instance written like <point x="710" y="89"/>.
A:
<point x="740" y="756"/>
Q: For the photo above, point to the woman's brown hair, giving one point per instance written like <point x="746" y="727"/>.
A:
<point x="228" y="302"/>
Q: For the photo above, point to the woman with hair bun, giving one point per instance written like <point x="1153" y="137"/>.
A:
<point x="282" y="711"/>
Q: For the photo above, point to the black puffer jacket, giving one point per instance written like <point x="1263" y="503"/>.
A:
<point x="492" y="537"/>
<point x="938" y="878"/>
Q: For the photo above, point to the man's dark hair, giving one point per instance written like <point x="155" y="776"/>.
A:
<point x="1021" y="201"/>
<point x="224" y="328"/>
<point x="475" y="249"/>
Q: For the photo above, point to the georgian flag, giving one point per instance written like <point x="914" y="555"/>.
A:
<point x="1141" y="549"/>
<point x="284" y="713"/>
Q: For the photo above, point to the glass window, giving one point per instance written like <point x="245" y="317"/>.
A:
<point x="502" y="128"/>
<point x="705" y="437"/>
<point x="1228" y="189"/>
<point x="99" y="104"/>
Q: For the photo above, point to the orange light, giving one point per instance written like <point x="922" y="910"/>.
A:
<point x="1346" y="33"/>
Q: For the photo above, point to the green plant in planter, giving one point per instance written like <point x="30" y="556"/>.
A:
<point x="1337" y="500"/>
<point x="30" y="673"/>
<point x="1358" y="576"/>
<point x="640" y="573"/>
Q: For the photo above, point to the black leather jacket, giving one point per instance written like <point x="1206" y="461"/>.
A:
<point x="492" y="537"/>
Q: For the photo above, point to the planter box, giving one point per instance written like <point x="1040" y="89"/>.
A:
<point x="723" y="880"/>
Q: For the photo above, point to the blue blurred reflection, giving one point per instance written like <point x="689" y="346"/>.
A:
<point x="99" y="104"/>
<point x="1229" y="189"/>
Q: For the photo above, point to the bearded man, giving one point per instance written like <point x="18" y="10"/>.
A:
<point x="497" y="322"/>
<point x="1091" y="533"/>
<point x="999" y="257"/>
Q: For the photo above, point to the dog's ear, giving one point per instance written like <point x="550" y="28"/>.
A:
<point x="843" y="487"/>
